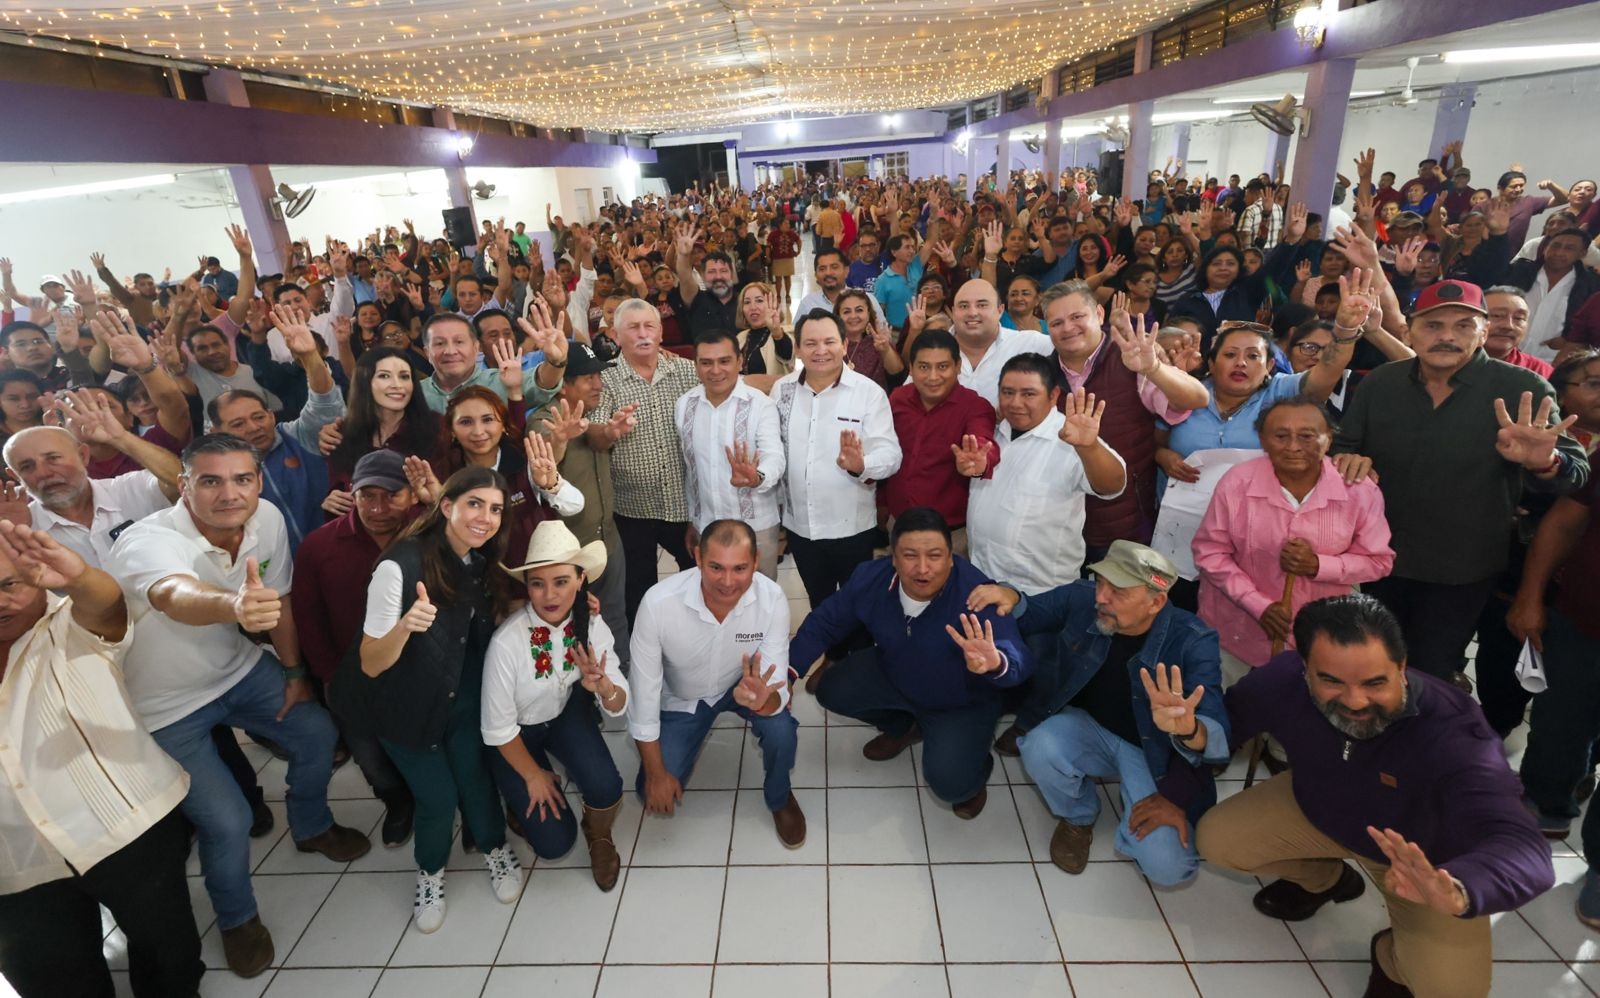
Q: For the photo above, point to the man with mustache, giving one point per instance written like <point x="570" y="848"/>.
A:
<point x="1454" y="436"/>
<point x="1392" y="768"/>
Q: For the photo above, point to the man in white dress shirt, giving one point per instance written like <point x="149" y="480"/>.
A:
<point x="839" y="442"/>
<point x="712" y="639"/>
<point x="985" y="345"/>
<point x="732" y="447"/>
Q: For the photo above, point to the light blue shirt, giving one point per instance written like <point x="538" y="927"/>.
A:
<point x="894" y="292"/>
<point x="1207" y="429"/>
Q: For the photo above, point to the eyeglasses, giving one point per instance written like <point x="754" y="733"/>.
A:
<point x="1254" y="327"/>
<point x="1587" y="384"/>
<point x="1310" y="349"/>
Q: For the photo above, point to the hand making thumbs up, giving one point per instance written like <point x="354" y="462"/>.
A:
<point x="256" y="607"/>
<point x="420" y="617"/>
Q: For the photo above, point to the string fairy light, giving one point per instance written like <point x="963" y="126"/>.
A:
<point x="624" y="65"/>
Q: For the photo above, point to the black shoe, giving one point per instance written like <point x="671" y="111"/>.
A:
<point x="397" y="821"/>
<point x="1379" y="984"/>
<point x="1293" y="903"/>
<point x="261" y="820"/>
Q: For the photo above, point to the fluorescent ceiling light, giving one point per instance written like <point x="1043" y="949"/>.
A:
<point x="1274" y="98"/>
<point x="1577" y="50"/>
<point x="1167" y="117"/>
<point x="97" y="187"/>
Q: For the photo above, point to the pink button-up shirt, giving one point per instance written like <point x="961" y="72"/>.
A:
<point x="1246" y="525"/>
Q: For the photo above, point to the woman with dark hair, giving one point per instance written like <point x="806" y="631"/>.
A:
<point x="1479" y="250"/>
<point x="766" y="352"/>
<point x="1139" y="282"/>
<point x="1022" y="305"/>
<point x="868" y="349"/>
<point x="418" y="678"/>
<point x="1175" y="273"/>
<point x="1095" y="263"/>
<point x="386" y="409"/>
<point x="1225" y="291"/>
<point x="533" y="708"/>
<point x="367" y="333"/>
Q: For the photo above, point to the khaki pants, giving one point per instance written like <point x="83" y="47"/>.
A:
<point x="1262" y="831"/>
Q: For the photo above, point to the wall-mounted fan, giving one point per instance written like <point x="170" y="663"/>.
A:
<point x="483" y="190"/>
<point x="1115" y="133"/>
<point x="292" y="202"/>
<point x="1282" y="116"/>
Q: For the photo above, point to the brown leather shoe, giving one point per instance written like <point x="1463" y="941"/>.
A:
<point x="248" y="948"/>
<point x="604" y="862"/>
<point x="972" y="806"/>
<point x="886" y="746"/>
<point x="790" y="822"/>
<point x="338" y="843"/>
<point x="1006" y="744"/>
<point x="1069" y="846"/>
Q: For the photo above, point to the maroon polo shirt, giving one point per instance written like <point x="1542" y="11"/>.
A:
<point x="329" y="598"/>
<point x="928" y="475"/>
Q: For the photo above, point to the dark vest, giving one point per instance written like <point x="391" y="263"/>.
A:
<point x="410" y="703"/>
<point x="1129" y="429"/>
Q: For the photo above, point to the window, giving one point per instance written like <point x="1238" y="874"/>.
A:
<point x="896" y="164"/>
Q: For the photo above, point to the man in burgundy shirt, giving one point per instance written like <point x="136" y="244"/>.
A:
<point x="946" y="433"/>
<point x="333" y="564"/>
<point x="1508" y="325"/>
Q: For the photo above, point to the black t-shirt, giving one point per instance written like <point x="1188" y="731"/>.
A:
<point x="1108" y="696"/>
<point x="705" y="313"/>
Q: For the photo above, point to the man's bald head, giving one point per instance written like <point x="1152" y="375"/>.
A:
<point x="977" y="313"/>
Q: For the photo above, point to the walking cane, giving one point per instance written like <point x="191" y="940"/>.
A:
<point x="1258" y="744"/>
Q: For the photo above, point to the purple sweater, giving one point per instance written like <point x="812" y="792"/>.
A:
<point x="1437" y="775"/>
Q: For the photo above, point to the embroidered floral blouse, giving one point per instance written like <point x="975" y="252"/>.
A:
<point x="529" y="672"/>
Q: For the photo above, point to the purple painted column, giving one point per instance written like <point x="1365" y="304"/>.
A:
<point x="1451" y="116"/>
<point x="1136" y="153"/>
<point x="1052" y="135"/>
<point x="455" y="175"/>
<point x="730" y="148"/>
<point x="1276" y="162"/>
<point x="252" y="184"/>
<point x="1181" y="153"/>
<point x="1316" y="158"/>
<point x="1002" y="160"/>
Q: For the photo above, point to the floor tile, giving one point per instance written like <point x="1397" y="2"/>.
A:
<point x="668" y="915"/>
<point x="847" y="767"/>
<point x="360" y="923"/>
<point x="430" y="982"/>
<point x="755" y="841"/>
<point x="882" y="914"/>
<point x="657" y="982"/>
<point x="474" y="925"/>
<point x="995" y="836"/>
<point x="1344" y="931"/>
<point x="562" y="918"/>
<point x="1343" y="980"/>
<point x="1515" y="940"/>
<point x="546" y="982"/>
<point x="1213" y="919"/>
<point x="889" y="981"/>
<point x="788" y="981"/>
<point x="810" y="761"/>
<point x="806" y="709"/>
<point x="1038" y="824"/>
<point x="1014" y="980"/>
<point x="1552" y="915"/>
<point x="217" y="983"/>
<point x="1256" y="980"/>
<point x="697" y="833"/>
<point x="286" y="906"/>
<point x="1132" y="980"/>
<point x="362" y="815"/>
<point x="1537" y="980"/>
<point x="875" y="826"/>
<point x="753" y="892"/>
<point x="993" y="912"/>
<point x="356" y="982"/>
<point x="1107" y="912"/>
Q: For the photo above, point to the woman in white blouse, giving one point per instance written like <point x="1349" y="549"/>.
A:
<point x="533" y="709"/>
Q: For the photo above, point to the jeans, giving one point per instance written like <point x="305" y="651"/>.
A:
<point x="574" y="738"/>
<point x="683" y="734"/>
<point x="1565" y="721"/>
<point x="639" y="541"/>
<point x="1437" y="619"/>
<point x="1065" y="751"/>
<point x="50" y="935"/>
<point x="215" y="804"/>
<point x="454" y="773"/>
<point x="955" y="743"/>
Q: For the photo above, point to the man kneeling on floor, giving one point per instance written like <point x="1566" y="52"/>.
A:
<point x="934" y="671"/>
<point x="1396" y="770"/>
<point x="1115" y="713"/>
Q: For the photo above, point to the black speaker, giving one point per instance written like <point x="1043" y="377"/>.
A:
<point x="458" y="227"/>
<point x="1111" y="173"/>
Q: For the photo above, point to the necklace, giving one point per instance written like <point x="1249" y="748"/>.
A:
<point x="541" y="649"/>
<point x="855" y="351"/>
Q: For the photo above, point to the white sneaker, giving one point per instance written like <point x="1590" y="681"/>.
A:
<point x="428" y="909"/>
<point x="505" y="873"/>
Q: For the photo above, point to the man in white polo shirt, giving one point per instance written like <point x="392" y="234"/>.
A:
<point x="707" y="640"/>
<point x="198" y="577"/>
<point x="732" y="447"/>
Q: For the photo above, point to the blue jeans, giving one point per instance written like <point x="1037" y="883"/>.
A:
<point x="683" y="734"/>
<point x="955" y="743"/>
<point x="1065" y="751"/>
<point x="215" y="804"/>
<point x="574" y="738"/>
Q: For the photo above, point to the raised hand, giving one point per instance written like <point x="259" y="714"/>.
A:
<point x="756" y="686"/>
<point x="851" y="458"/>
<point x="1499" y="218"/>
<point x="503" y="352"/>
<point x="976" y="639"/>
<point x="1364" y="162"/>
<point x="1414" y="877"/>
<point x="683" y="239"/>
<point x="82" y="288"/>
<point x="89" y="418"/>
<point x="295" y="325"/>
<point x="1082" y="427"/>
<point x="240" y="240"/>
<point x="1405" y="259"/>
<point x="916" y="314"/>
<point x="39" y="559"/>
<point x="1356" y="246"/>
<point x="882" y="337"/>
<point x="632" y="275"/>
<point x="994" y="239"/>
<point x="421" y="614"/>
<point x="256" y="607"/>
<point x="743" y="459"/>
<point x="542" y="469"/>
<point x="1530" y="439"/>
<point x="554" y="292"/>
<point x="972" y="456"/>
<point x="1294" y="225"/>
<point x="1302" y="271"/>
<point x="1136" y="343"/>
<point x="565" y="422"/>
<point x="1357" y="298"/>
<point x="424" y="483"/>
<point x="68" y="336"/>
<point x="1172" y="712"/>
<point x="946" y="252"/>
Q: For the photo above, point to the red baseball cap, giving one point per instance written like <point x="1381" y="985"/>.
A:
<point x="1447" y="293"/>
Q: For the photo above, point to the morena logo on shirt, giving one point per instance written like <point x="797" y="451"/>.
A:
<point x="749" y="635"/>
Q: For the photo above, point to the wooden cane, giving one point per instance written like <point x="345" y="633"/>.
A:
<point x="1258" y="744"/>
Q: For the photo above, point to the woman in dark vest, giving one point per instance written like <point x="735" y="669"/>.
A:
<point x="431" y="610"/>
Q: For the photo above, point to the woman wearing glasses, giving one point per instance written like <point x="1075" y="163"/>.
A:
<point x="1312" y="340"/>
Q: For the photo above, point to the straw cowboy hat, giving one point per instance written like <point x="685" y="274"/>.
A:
<point x="553" y="544"/>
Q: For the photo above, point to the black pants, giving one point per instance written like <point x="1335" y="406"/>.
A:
<point x="239" y="766"/>
<point x="385" y="780"/>
<point x="824" y="567"/>
<point x="50" y="935"/>
<point x="639" y="541"/>
<point x="1564" y="725"/>
<point x="1437" y="619"/>
<point x="1502" y="696"/>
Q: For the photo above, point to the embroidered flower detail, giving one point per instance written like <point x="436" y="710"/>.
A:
<point x="542" y="664"/>
<point x="540" y="636"/>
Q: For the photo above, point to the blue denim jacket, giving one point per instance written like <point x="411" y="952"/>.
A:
<point x="1177" y="637"/>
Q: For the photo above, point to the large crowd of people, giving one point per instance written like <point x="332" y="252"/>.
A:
<point x="1118" y="487"/>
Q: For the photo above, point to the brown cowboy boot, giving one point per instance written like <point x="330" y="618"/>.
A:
<point x="603" y="859"/>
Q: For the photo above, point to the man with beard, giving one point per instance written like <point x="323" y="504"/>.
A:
<point x="1392" y="768"/>
<point x="715" y="307"/>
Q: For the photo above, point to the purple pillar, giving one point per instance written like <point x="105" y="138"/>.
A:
<point x="252" y="184"/>
<point x="1002" y="160"/>
<point x="1136" y="152"/>
<point x="1276" y="164"/>
<point x="1316" y="159"/>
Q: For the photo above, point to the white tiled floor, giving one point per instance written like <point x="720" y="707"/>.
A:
<point x="892" y="896"/>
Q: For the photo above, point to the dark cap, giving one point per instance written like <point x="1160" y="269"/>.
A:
<point x="582" y="360"/>
<point x="1447" y="293"/>
<point x="384" y="468"/>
